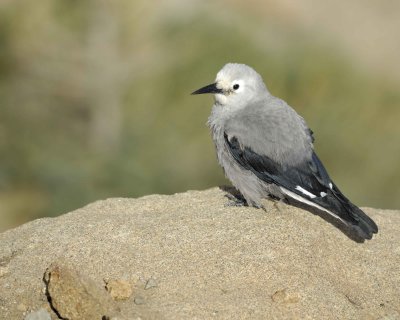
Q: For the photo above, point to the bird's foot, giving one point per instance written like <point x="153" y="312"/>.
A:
<point x="256" y="205"/>
<point x="235" y="200"/>
<point x="236" y="203"/>
<point x="260" y="206"/>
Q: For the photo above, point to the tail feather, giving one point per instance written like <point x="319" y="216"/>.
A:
<point x="338" y="204"/>
<point x="365" y="225"/>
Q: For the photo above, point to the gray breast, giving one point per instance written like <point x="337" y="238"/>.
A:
<point x="252" y="188"/>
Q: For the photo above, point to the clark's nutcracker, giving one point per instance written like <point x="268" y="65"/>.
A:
<point x="266" y="148"/>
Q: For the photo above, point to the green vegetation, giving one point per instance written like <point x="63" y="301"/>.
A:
<point x="95" y="103"/>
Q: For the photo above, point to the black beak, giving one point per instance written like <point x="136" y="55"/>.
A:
<point x="211" y="88"/>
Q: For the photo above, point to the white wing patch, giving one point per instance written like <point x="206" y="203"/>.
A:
<point x="330" y="185"/>
<point x="323" y="194"/>
<point x="304" y="191"/>
<point x="298" y="198"/>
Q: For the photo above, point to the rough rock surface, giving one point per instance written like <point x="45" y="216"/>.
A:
<point x="73" y="295"/>
<point x="190" y="256"/>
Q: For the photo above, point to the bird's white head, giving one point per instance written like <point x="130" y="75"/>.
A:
<point x="236" y="85"/>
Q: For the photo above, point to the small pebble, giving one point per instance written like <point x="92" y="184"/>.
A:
<point x="151" y="283"/>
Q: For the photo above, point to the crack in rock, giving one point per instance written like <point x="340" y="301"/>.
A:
<point x="72" y="295"/>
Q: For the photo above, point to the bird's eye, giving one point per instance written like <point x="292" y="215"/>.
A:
<point x="235" y="86"/>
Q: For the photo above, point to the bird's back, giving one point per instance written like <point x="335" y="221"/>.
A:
<point x="270" y="127"/>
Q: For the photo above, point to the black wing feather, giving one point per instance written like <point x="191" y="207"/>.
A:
<point x="307" y="175"/>
<point x="311" y="176"/>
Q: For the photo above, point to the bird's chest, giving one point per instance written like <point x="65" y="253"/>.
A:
<point x="220" y="147"/>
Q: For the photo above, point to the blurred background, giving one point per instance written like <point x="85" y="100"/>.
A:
<point x="95" y="95"/>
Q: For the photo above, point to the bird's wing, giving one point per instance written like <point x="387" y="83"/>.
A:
<point x="270" y="139"/>
<point x="307" y="180"/>
<point x="271" y="127"/>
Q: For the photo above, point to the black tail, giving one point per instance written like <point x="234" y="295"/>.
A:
<point x="339" y="205"/>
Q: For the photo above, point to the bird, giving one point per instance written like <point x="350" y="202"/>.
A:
<point x="266" y="149"/>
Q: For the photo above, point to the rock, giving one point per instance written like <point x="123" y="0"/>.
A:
<point x="119" y="289"/>
<point x="41" y="314"/>
<point x="75" y="296"/>
<point x="210" y="261"/>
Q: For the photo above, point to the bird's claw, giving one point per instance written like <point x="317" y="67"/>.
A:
<point x="234" y="202"/>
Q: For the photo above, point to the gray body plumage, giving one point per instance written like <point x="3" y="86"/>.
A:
<point x="266" y="148"/>
<point x="269" y="127"/>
